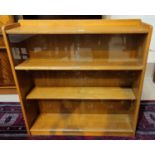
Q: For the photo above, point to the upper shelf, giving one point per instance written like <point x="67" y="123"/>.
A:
<point x="58" y="64"/>
<point x="78" y="27"/>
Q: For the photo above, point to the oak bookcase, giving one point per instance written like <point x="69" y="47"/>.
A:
<point x="79" y="77"/>
<point x="7" y="84"/>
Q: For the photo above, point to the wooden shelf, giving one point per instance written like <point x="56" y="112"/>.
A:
<point x="75" y="30"/>
<point x="8" y="90"/>
<point x="58" y="64"/>
<point x="106" y="93"/>
<point x="2" y="47"/>
<point x="82" y="124"/>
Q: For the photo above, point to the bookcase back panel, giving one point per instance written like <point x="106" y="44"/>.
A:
<point x="85" y="78"/>
<point x="85" y="106"/>
<point x="79" y="47"/>
<point x="1" y="41"/>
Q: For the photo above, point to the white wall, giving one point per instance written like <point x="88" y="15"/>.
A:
<point x="9" y="98"/>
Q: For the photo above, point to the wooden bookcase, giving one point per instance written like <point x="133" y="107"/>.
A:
<point x="81" y="77"/>
<point x="7" y="85"/>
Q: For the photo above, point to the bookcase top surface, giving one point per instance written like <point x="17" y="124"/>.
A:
<point x="78" y="27"/>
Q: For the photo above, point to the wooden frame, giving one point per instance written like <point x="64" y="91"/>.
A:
<point x="85" y="78"/>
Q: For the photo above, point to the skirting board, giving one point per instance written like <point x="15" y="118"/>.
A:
<point x="151" y="57"/>
<point x="9" y="98"/>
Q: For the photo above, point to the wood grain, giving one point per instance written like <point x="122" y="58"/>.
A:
<point x="82" y="78"/>
<point x="7" y="85"/>
<point x="84" y="106"/>
<point x="8" y="90"/>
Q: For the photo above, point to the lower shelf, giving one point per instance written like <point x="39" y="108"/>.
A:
<point x="82" y="124"/>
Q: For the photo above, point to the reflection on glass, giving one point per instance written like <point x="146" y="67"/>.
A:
<point x="87" y="48"/>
